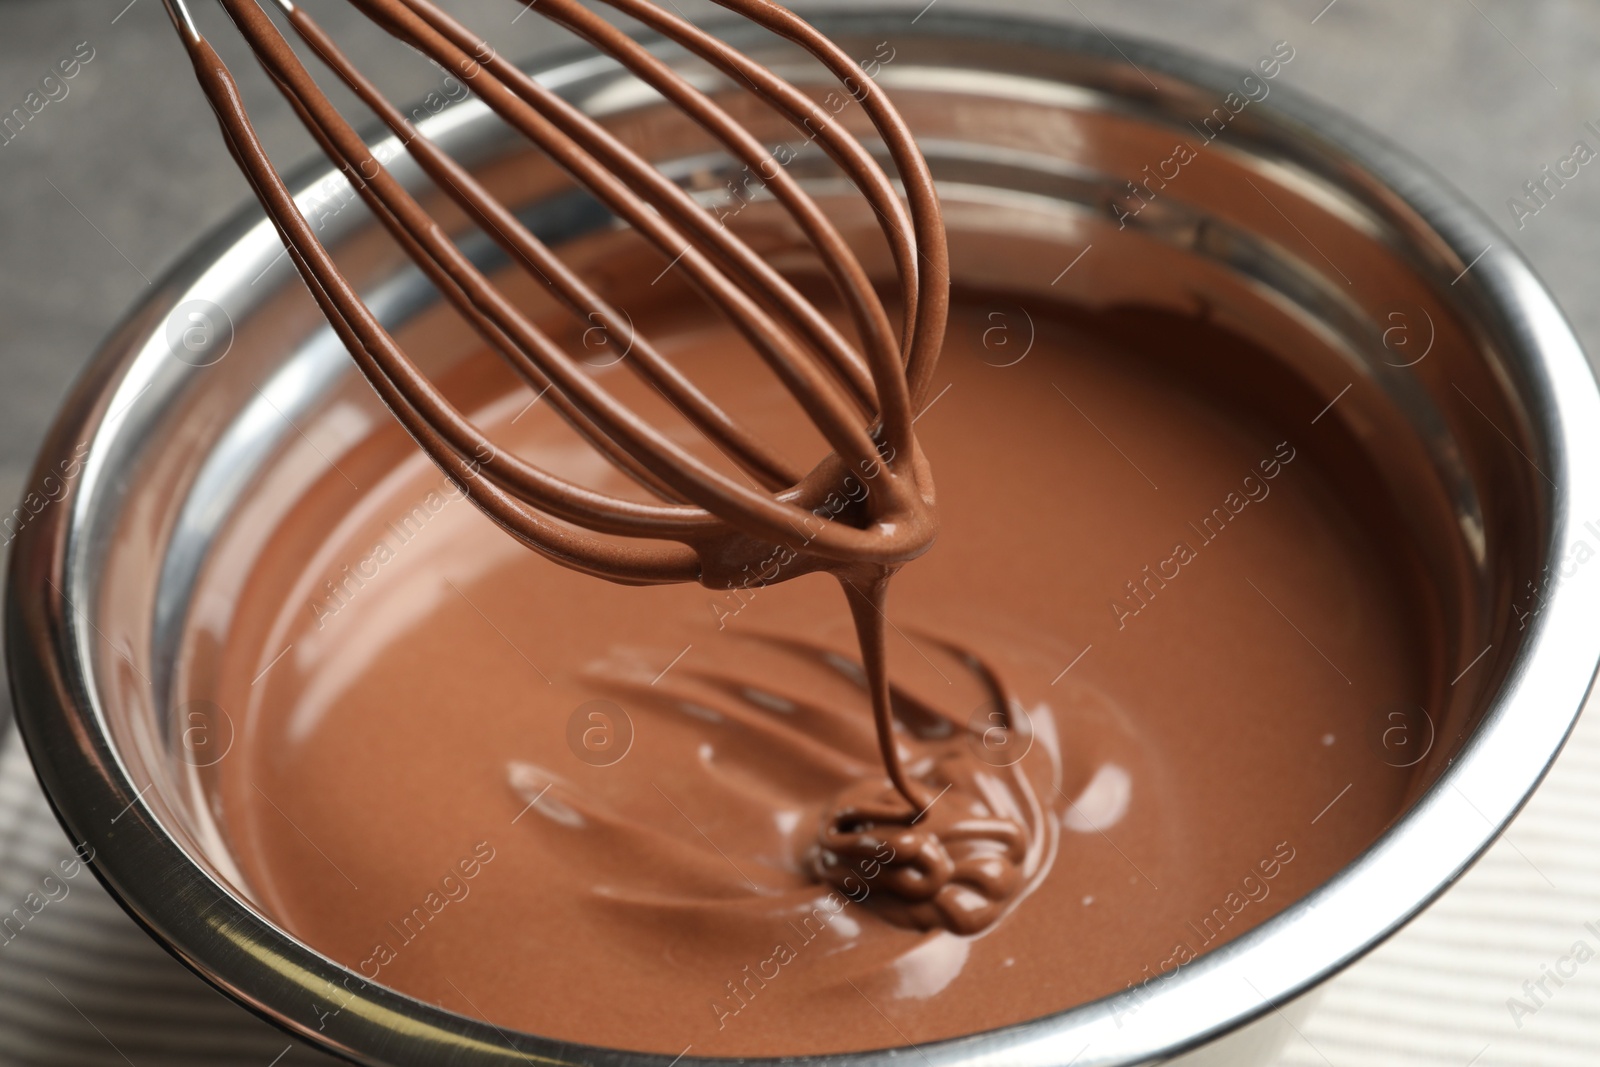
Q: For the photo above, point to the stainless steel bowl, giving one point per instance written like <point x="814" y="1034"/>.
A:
<point x="1303" y="231"/>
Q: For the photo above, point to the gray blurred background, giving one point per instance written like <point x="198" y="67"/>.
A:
<point x="108" y="186"/>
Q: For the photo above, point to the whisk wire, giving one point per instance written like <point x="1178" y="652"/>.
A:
<point x="618" y="176"/>
<point x="509" y="232"/>
<point x="699" y="508"/>
<point x="754" y="275"/>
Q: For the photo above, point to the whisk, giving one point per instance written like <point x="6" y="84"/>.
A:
<point x="701" y="524"/>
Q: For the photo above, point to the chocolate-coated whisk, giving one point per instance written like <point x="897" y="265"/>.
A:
<point x="702" y="525"/>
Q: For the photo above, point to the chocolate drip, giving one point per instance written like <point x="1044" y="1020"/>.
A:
<point x="704" y="524"/>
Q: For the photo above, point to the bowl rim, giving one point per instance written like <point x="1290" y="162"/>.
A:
<point x="208" y="929"/>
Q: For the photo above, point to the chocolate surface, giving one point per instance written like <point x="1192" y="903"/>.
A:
<point x="590" y="811"/>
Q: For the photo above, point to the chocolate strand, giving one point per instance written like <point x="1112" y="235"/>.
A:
<point x="705" y="522"/>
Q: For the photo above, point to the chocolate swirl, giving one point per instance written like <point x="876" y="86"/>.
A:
<point x="964" y="857"/>
<point x="957" y="865"/>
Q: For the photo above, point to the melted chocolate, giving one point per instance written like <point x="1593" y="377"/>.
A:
<point x="652" y="808"/>
<point x="656" y="907"/>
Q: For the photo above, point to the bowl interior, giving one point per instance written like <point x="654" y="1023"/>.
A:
<point x="1068" y="175"/>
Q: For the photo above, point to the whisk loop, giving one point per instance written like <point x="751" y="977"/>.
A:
<point x="702" y="524"/>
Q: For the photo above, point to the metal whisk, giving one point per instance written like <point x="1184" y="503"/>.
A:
<point x="702" y="525"/>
